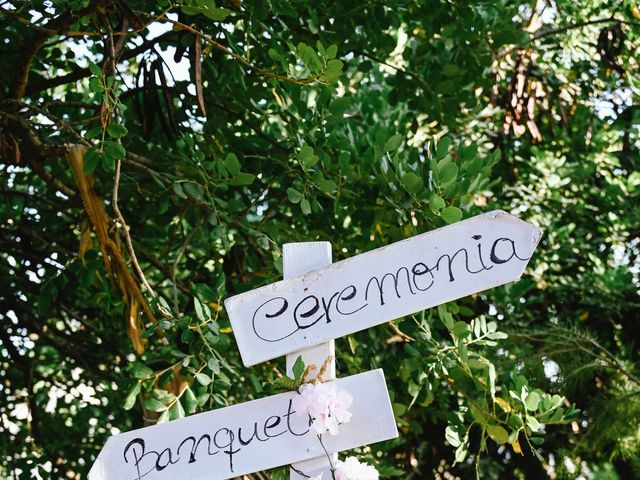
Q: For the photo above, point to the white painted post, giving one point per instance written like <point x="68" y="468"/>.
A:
<point x="298" y="258"/>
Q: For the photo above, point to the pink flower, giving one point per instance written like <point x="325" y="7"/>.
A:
<point x="325" y="405"/>
<point x="353" y="469"/>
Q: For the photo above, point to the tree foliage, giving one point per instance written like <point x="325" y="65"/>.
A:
<point x="155" y="156"/>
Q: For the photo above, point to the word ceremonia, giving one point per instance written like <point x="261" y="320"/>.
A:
<point x="378" y="286"/>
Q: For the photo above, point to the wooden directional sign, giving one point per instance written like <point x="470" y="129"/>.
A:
<point x="375" y="287"/>
<point x="244" y="438"/>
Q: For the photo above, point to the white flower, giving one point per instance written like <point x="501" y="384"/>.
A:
<point x="317" y="477"/>
<point x="326" y="406"/>
<point x="352" y="469"/>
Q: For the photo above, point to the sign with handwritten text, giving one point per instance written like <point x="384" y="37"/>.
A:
<point x="375" y="287"/>
<point x="244" y="438"/>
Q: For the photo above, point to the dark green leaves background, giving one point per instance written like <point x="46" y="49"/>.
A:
<point x="360" y="123"/>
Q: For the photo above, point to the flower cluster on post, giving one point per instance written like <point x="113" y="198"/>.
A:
<point x="352" y="469"/>
<point x="327" y="409"/>
<point x="326" y="406"/>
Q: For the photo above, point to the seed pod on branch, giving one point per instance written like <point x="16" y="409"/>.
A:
<point x="197" y="72"/>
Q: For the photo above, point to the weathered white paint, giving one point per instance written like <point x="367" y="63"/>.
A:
<point x="170" y="451"/>
<point x="348" y="296"/>
<point x="299" y="258"/>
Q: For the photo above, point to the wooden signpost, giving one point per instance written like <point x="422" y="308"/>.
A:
<point x="244" y="438"/>
<point x="298" y="258"/>
<point x="378" y="286"/>
<point x="300" y="316"/>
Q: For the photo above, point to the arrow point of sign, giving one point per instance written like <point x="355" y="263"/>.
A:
<point x="502" y="215"/>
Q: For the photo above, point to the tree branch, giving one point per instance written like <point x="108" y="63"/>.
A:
<point x="32" y="46"/>
<point x="81" y="73"/>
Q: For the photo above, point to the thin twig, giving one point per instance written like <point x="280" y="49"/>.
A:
<point x="299" y="472"/>
<point x="125" y="229"/>
<point x="175" y="267"/>
<point x="333" y="474"/>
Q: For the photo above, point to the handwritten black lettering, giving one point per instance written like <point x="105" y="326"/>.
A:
<point x="418" y="270"/>
<point x="261" y="310"/>
<point x="380" y="284"/>
<point x="146" y="461"/>
<point x="416" y="277"/>
<point x="345" y="297"/>
<point x="310" y="306"/>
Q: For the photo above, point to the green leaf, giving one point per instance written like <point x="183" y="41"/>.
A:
<point x="305" y="206"/>
<point x="497" y="336"/>
<point x="461" y="330"/>
<point x="393" y="143"/>
<point x="491" y="377"/>
<point x="533" y="424"/>
<point x="93" y="132"/>
<point x="451" y="214"/>
<point x="176" y="410"/>
<point x="116" y="130"/>
<point x="498" y="434"/>
<point x="532" y="401"/>
<point x="95" y="86"/>
<point x="452" y="436"/>
<point x="214" y="365"/>
<point x="335" y="66"/>
<point x="450" y="70"/>
<point x="114" y="150"/>
<point x="154" y="405"/>
<point x="140" y="371"/>
<point x="309" y="57"/>
<point x="95" y="69"/>
<point x="91" y="159"/>
<point x="298" y="368"/>
<point x="294" y="195"/>
<point x="199" y="310"/>
<point x="164" y="417"/>
<point x="412" y="182"/>
<point x="193" y="190"/>
<point x="242" y="178"/>
<point x="443" y="147"/>
<point x="132" y="395"/>
<point x="212" y="13"/>
<point x="340" y="105"/>
<point x="536" y="440"/>
<point x="399" y="409"/>
<point x="332" y="51"/>
<point x="437" y="202"/>
<point x="326" y="186"/>
<point x="307" y="157"/>
<point x="203" y="379"/>
<point x="446" y="87"/>
<point x="232" y="164"/>
<point x="448" y="173"/>
<point x="190" y="401"/>
<point x="164" y="396"/>
<point x="179" y="191"/>
<point x="461" y="453"/>
<point x="203" y="399"/>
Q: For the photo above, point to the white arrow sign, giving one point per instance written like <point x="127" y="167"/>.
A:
<point x="245" y="438"/>
<point x="375" y="287"/>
